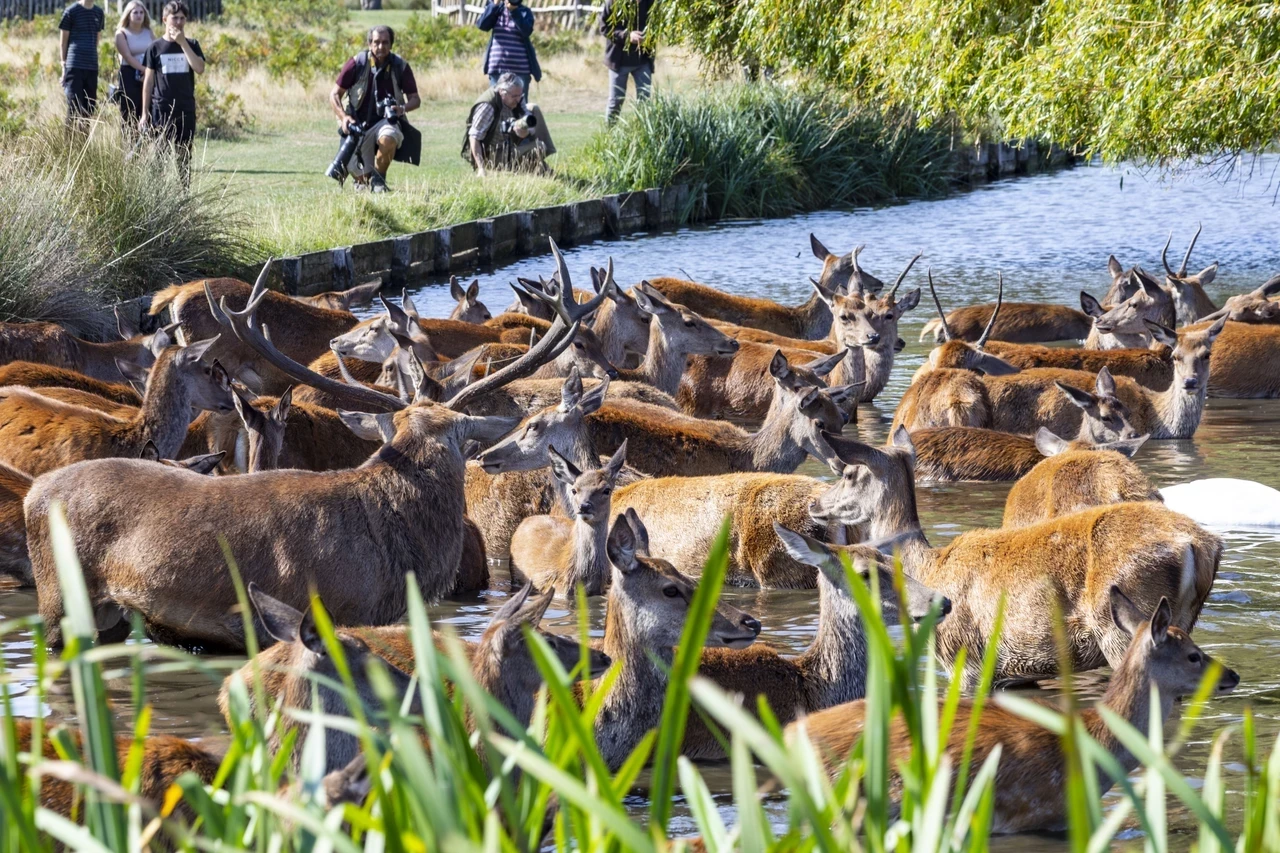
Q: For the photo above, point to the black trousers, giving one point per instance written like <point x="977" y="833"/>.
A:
<point x="177" y="123"/>
<point x="80" y="85"/>
<point x="130" y="97"/>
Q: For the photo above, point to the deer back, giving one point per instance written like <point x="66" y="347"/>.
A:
<point x="947" y="397"/>
<point x="1019" y="322"/>
<point x="710" y="302"/>
<point x="741" y="385"/>
<point x="952" y="454"/>
<point x="1075" y="480"/>
<point x="44" y="343"/>
<point x="1150" y="367"/>
<point x="35" y="375"/>
<point x="1244" y="360"/>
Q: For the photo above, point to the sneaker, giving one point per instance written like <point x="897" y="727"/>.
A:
<point x="378" y="184"/>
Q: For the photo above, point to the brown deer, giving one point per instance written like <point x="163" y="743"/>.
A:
<point x="958" y="454"/>
<point x="1073" y="477"/>
<point x="299" y="663"/>
<point x="832" y="670"/>
<point x="1191" y="303"/>
<point x="1020" y="322"/>
<point x="1256" y="306"/>
<point x="644" y="619"/>
<point x="746" y="334"/>
<point x="14" y="485"/>
<point x="264" y="432"/>
<point x="48" y="343"/>
<point x="867" y="328"/>
<point x="359" y="296"/>
<point x="469" y="308"/>
<point x="620" y="323"/>
<point x="1151" y="367"/>
<point x="281" y="525"/>
<point x="1123" y="325"/>
<point x="39" y="434"/>
<point x="35" y="375"/>
<point x="1243" y="362"/>
<point x="1028" y="787"/>
<point x="557" y="553"/>
<point x="1066" y="562"/>
<point x="742" y="386"/>
<point x="675" y="333"/>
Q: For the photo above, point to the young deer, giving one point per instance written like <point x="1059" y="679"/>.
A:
<point x="866" y="327"/>
<point x="833" y="669"/>
<point x="469" y="308"/>
<point x="282" y="525"/>
<point x="1073" y="477"/>
<point x="1123" y="325"/>
<point x="359" y="296"/>
<point x="953" y="454"/>
<point x="264" y="432"/>
<point x="675" y="333"/>
<point x="1244" y="361"/>
<point x="743" y="387"/>
<point x="1029" y="792"/>
<point x="34" y="375"/>
<point x="1190" y="300"/>
<point x="48" y="343"/>
<point x="39" y="434"/>
<point x="646" y="611"/>
<point x="557" y="553"/>
<point x="1066" y="562"/>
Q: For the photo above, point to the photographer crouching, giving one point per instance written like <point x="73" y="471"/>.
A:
<point x="505" y="133"/>
<point x="379" y="89"/>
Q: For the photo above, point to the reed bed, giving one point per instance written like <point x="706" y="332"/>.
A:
<point x="462" y="775"/>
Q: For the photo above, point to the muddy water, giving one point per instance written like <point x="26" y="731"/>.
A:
<point x="1050" y="236"/>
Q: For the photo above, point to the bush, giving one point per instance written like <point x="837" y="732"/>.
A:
<point x="767" y="150"/>
<point x="87" y="225"/>
<point x="221" y="114"/>
<point x="285" y="14"/>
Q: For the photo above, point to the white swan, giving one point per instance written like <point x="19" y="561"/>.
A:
<point x="1223" y="502"/>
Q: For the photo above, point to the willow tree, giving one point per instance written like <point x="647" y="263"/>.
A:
<point x="1154" y="80"/>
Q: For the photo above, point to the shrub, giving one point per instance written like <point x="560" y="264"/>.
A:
<point x="87" y="225"/>
<point x="767" y="150"/>
<point x="285" y="14"/>
<point x="220" y="114"/>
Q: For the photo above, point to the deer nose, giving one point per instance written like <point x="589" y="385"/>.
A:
<point x="612" y="372"/>
<point x="752" y="624"/>
<point x="584" y="509"/>
<point x="1191" y="383"/>
<point x="946" y="606"/>
<point x="873" y="338"/>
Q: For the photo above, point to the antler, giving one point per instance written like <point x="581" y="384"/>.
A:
<point x="911" y="263"/>
<point x="1182" y="270"/>
<point x="857" y="250"/>
<point x="991" y="324"/>
<point x="242" y="325"/>
<point x="942" y="316"/>
<point x="1164" y="257"/>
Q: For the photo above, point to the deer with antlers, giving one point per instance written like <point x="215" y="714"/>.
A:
<point x="1191" y="303"/>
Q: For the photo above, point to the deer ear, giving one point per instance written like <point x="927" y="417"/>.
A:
<point x="1125" y="446"/>
<point x="132" y="371"/>
<point x="195" y="351"/>
<point x="1083" y="399"/>
<point x="594" y="399"/>
<point x="1161" y="333"/>
<point x="280" y="412"/>
<point x="911" y="300"/>
<point x="1106" y="384"/>
<point x="614" y="466"/>
<point x="639" y="531"/>
<point x="1090" y="305"/>
<point x="1216" y="329"/>
<point x="473" y="291"/>
<point x="380" y="427"/>
<point x="1208" y="274"/>
<point x="991" y="365"/>
<point x="1049" y="444"/>
<point x="621" y="546"/>
<point x="309" y="634"/>
<point x="563" y="470"/>
<point x="819" y="251"/>
<point x="512" y="605"/>
<point x="779" y="367"/>
<point x="150" y="452"/>
<point x="1114" y="268"/>
<point x="823" y="366"/>
<point x="1160" y="622"/>
<point x="571" y="391"/>
<point x="126" y="327"/>
<point x="456" y="293"/>
<point x="205" y="464"/>
<point x="1124" y="614"/>
<point x="902" y="439"/>
<point x="807" y="550"/>
<point x="279" y="620"/>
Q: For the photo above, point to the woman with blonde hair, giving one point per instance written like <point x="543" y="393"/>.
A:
<point x="133" y="37"/>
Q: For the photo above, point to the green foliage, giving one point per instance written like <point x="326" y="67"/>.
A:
<point x="13" y="115"/>
<point x="96" y="219"/>
<point x="221" y="115"/>
<point x="767" y="150"/>
<point x="285" y="14"/>
<point x="1145" y="79"/>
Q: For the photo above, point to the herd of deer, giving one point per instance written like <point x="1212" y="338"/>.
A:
<point x="582" y="433"/>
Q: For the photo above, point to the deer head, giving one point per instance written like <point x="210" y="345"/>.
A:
<point x="1106" y="417"/>
<point x="469" y="308"/>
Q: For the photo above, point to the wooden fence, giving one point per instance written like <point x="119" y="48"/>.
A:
<point x="30" y="8"/>
<point x="565" y="14"/>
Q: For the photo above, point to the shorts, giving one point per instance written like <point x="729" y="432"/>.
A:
<point x="369" y="147"/>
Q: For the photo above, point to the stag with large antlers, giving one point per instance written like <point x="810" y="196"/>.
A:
<point x="1189" y="299"/>
<point x="350" y="535"/>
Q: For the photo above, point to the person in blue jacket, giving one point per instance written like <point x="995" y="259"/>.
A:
<point x="510" y="24"/>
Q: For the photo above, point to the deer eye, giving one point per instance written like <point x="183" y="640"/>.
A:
<point x="846" y="318"/>
<point x="671" y="592"/>
<point x="577" y="345"/>
<point x="889" y="316"/>
<point x="1194" y="657"/>
<point x="690" y="323"/>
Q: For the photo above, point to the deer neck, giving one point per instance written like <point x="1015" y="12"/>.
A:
<point x="590" y="565"/>
<point x="835" y="664"/>
<point x="878" y="364"/>
<point x="1129" y="695"/>
<point x="1177" y="413"/>
<point x="605" y="328"/>
<point x="663" y="364"/>
<point x="99" y="360"/>
<point x="772" y="447"/>
<point x="814" y="317"/>
<point x="634" y="705"/>
<point x="165" y="413"/>
<point x="582" y="453"/>
<point x="896" y="524"/>
<point x="851" y="369"/>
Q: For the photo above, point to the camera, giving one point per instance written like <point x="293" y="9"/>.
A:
<point x="351" y="140"/>
<point x="525" y="121"/>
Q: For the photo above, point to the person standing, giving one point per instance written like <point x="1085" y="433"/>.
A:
<point x="510" y="24"/>
<point x="169" y="85"/>
<point x="133" y="37"/>
<point x="80" y="25"/>
<point x="625" y="55"/>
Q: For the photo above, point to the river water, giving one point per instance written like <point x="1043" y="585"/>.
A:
<point x="1050" y="236"/>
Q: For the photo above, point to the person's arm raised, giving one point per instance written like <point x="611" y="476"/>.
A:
<point x="195" y="60"/>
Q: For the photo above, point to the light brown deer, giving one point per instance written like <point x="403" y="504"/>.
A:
<point x="34" y="375"/>
<point x="1066" y="562"/>
<point x="1123" y="325"/>
<point x="620" y="323"/>
<point x="956" y="454"/>
<point x="48" y="343"/>
<point x="1245" y="360"/>
<point x="1028" y="786"/>
<point x="557" y="553"/>
<point x="675" y="333"/>
<point x="645" y="615"/>
<point x="1256" y="306"/>
<point x="359" y="296"/>
<point x="1073" y="477"/>
<point x="1151" y="367"/>
<point x="39" y="434"/>
<point x="832" y="670"/>
<point x="1191" y="303"/>
<point x="469" y="308"/>
<point x="401" y="512"/>
<point x="741" y="386"/>
<point x="14" y="485"/>
<point x="867" y="328"/>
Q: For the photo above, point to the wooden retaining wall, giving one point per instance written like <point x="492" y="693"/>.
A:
<point x="410" y="259"/>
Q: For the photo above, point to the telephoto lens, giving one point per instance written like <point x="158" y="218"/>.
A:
<point x="346" y="149"/>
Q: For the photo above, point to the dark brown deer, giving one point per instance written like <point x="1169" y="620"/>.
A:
<point x="48" y="343"/>
<point x="34" y="375"/>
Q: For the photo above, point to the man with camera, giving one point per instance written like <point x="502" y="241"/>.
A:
<point x="504" y="133"/>
<point x="379" y="88"/>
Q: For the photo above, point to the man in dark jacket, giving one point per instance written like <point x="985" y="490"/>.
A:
<point x="505" y="133"/>
<point x="369" y="77"/>
<point x="510" y="24"/>
<point x="625" y="54"/>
